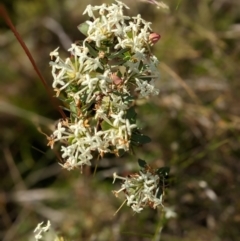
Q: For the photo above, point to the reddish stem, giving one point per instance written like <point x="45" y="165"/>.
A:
<point x="5" y="16"/>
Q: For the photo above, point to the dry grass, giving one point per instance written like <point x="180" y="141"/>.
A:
<point x="194" y="125"/>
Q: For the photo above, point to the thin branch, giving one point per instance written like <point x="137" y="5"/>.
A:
<point x="4" y="15"/>
<point x="190" y="92"/>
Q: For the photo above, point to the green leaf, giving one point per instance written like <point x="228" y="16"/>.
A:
<point x="131" y="115"/>
<point x="128" y="99"/>
<point x="142" y="163"/>
<point x="121" y="152"/>
<point x="118" y="54"/>
<point x="92" y="51"/>
<point x="145" y="78"/>
<point x="140" y="139"/>
<point x="83" y="28"/>
<point x="73" y="109"/>
<point x="159" y="192"/>
<point x="116" y="61"/>
<point x="163" y="171"/>
<point x="140" y="65"/>
<point x="106" y="126"/>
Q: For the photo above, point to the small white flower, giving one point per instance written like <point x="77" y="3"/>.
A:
<point x="55" y="54"/>
<point x="118" y="118"/>
<point x="170" y="213"/>
<point x="89" y="10"/>
<point x="59" y="131"/>
<point x="136" y="208"/>
<point x="145" y="88"/>
<point x="41" y="229"/>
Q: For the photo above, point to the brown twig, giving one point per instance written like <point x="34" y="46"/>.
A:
<point x="190" y="92"/>
<point x="4" y="15"/>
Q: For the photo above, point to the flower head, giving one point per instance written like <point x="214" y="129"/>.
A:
<point x="143" y="188"/>
<point x="100" y="81"/>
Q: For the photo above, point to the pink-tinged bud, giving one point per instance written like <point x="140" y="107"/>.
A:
<point x="154" y="37"/>
<point x="116" y="80"/>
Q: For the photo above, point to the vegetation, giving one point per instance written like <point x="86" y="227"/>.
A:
<point x="193" y="124"/>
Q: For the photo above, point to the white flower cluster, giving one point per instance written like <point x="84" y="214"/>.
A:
<point x="141" y="190"/>
<point x="100" y="81"/>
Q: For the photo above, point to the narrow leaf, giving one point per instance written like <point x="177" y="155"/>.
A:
<point x="142" y="163"/>
<point x="163" y="171"/>
<point x="140" y="139"/>
<point x="83" y="28"/>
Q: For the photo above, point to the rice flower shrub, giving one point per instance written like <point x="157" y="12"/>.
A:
<point x="99" y="84"/>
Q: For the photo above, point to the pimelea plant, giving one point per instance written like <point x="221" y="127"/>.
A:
<point x="99" y="84"/>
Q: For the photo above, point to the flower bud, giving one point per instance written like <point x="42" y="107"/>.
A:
<point x="154" y="37"/>
<point x="116" y="80"/>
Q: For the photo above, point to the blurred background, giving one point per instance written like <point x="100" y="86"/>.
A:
<point x="194" y="124"/>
